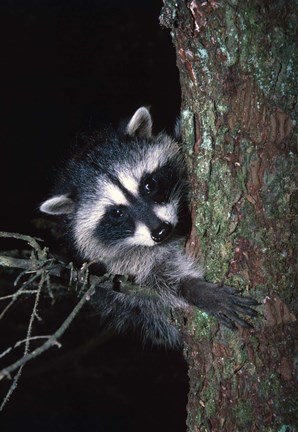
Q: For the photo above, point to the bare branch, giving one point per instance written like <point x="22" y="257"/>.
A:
<point x="30" y="240"/>
<point x="52" y="340"/>
<point x="38" y="269"/>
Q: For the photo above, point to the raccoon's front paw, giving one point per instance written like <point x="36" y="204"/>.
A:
<point x="222" y="302"/>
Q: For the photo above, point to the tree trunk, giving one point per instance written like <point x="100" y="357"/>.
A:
<point x="238" y="66"/>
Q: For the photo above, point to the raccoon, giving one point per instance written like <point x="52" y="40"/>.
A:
<point x="123" y="197"/>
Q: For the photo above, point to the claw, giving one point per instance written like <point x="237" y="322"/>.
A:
<point x="225" y="320"/>
<point x="223" y="302"/>
<point x="235" y="318"/>
<point x="229" y="290"/>
<point x="245" y="310"/>
<point x="246" y="300"/>
<point x="243" y="323"/>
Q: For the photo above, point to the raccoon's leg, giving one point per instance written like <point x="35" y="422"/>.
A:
<point x="222" y="302"/>
<point x="147" y="317"/>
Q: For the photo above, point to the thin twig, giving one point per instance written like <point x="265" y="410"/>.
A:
<point x="51" y="341"/>
<point x="39" y="265"/>
<point x="18" y="293"/>
<point x="30" y="240"/>
<point x="18" y="343"/>
<point x="34" y="315"/>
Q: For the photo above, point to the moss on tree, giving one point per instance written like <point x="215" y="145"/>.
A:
<point x="238" y="64"/>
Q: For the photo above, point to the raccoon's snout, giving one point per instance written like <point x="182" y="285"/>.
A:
<point x="162" y="232"/>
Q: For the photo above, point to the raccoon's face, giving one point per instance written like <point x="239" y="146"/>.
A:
<point x="134" y="203"/>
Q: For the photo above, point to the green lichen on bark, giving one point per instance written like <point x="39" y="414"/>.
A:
<point x="269" y="51"/>
<point x="243" y="413"/>
<point x="213" y="219"/>
<point x="202" y="324"/>
<point x="229" y="93"/>
<point x="238" y="65"/>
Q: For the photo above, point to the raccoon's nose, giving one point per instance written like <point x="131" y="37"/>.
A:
<point x="162" y="232"/>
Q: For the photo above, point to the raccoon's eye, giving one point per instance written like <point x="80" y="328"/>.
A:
<point x="117" y="214"/>
<point x="151" y="186"/>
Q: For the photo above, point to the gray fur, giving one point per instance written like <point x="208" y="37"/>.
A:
<point x="122" y="200"/>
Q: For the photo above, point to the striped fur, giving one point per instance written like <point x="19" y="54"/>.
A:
<point x="123" y="199"/>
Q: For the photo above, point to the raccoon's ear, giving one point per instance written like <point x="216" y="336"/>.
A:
<point x="58" y="205"/>
<point x="140" y="125"/>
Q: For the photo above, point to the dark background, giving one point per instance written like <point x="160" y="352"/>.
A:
<point x="68" y="66"/>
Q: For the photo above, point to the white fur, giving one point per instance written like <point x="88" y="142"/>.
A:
<point x="161" y="267"/>
<point x="86" y="220"/>
<point x="147" y="161"/>
<point x="90" y="214"/>
<point x="141" y="237"/>
<point x="167" y="212"/>
<point x="157" y="268"/>
<point x="111" y="194"/>
<point x="128" y="180"/>
<point x="156" y="156"/>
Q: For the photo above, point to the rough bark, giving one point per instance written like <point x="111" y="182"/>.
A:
<point x="238" y="66"/>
